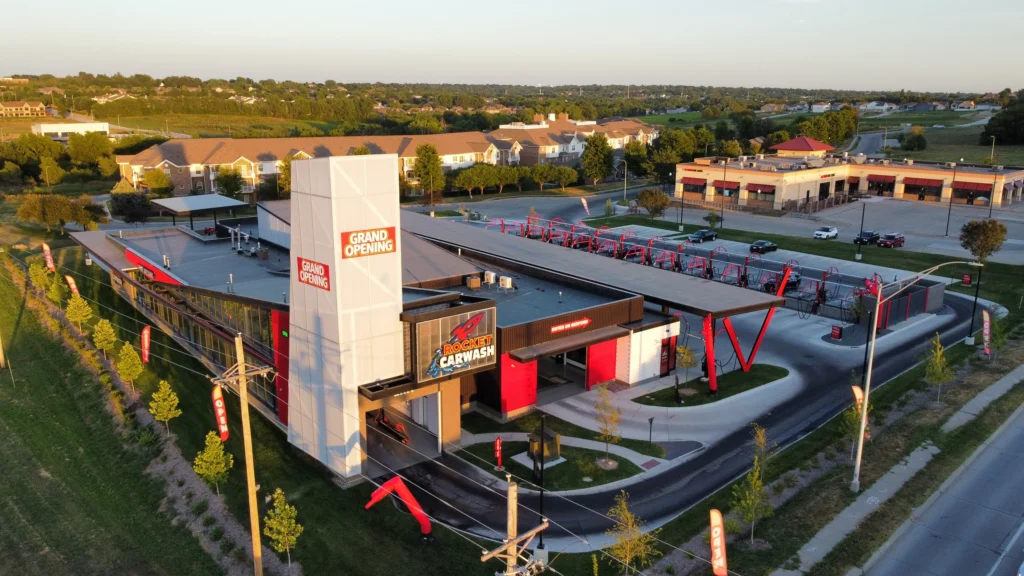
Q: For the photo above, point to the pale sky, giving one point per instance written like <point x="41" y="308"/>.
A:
<point x="934" y="45"/>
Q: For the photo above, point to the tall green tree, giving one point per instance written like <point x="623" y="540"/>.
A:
<point x="129" y="365"/>
<point x="467" y="179"/>
<point x="428" y="172"/>
<point x="937" y="370"/>
<point x="212" y="464"/>
<point x="597" y="158"/>
<point x="983" y="238"/>
<point x="103" y="337"/>
<point x="229" y="183"/>
<point x="635" y="155"/>
<point x="505" y="176"/>
<point x="78" y="311"/>
<point x="87" y="149"/>
<point x="565" y="176"/>
<point x="280" y="525"/>
<point x="654" y="201"/>
<point x="284" y="176"/>
<point x="730" y="148"/>
<point x="750" y="500"/>
<point x="164" y="405"/>
<point x="543" y="173"/>
<point x="50" y="171"/>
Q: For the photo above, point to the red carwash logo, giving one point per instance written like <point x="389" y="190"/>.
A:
<point x="461" y="348"/>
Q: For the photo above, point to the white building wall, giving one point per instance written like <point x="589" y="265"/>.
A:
<point x="622" y="359"/>
<point x="273" y="229"/>
<point x="645" y="352"/>
<point x="349" y="334"/>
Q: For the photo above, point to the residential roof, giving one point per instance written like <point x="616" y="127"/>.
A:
<point x="561" y="130"/>
<point x="803" y="144"/>
<point x="185" y="205"/>
<point x="20" y="104"/>
<point x="185" y="152"/>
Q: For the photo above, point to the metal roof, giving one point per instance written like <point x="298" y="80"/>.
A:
<point x="679" y="291"/>
<point x="185" y="205"/>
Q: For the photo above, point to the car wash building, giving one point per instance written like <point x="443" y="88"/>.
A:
<point x="383" y="326"/>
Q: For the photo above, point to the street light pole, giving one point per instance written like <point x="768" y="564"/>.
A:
<point x="974" y="311"/>
<point x="863" y="209"/>
<point x="952" y="191"/>
<point x="540" y="544"/>
<point x="865" y="406"/>
<point x="625" y="179"/>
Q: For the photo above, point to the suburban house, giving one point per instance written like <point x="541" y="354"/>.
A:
<point x="940" y="106"/>
<point x="46" y="91"/>
<point x="798" y="107"/>
<point x="17" y="109"/>
<point x="772" y="108"/>
<point x="193" y="164"/>
<point x="964" y="105"/>
<point x="559" y="140"/>
<point x="922" y="107"/>
<point x="680" y="110"/>
<point x="820" y="107"/>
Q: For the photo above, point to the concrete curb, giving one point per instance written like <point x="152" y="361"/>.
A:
<point x="935" y="495"/>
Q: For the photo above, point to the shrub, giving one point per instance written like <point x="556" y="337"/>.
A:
<point x="217" y="533"/>
<point x="732" y="526"/>
<point x="209" y="521"/>
<point x="181" y="482"/>
<point x="200" y="507"/>
<point x="239" y="554"/>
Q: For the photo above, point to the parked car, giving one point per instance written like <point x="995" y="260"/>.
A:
<point x="938" y="125"/>
<point x="702" y="235"/>
<point x="866" y="237"/>
<point x="826" y="233"/>
<point x="763" y="247"/>
<point x="892" y="240"/>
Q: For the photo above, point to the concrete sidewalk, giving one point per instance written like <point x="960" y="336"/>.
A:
<point x="987" y="396"/>
<point x="835" y="531"/>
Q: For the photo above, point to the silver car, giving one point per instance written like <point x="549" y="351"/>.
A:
<point x="826" y="233"/>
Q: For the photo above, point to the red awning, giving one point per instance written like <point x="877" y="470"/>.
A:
<point x="977" y="186"/>
<point x="854" y="180"/>
<point x="695" y="181"/>
<point x="766" y="188"/>
<point x="725" y="184"/>
<point x="922" y="182"/>
<point x="880" y="178"/>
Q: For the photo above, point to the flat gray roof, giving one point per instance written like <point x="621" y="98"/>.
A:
<point x="185" y="205"/>
<point x="280" y="208"/>
<point x="680" y="291"/>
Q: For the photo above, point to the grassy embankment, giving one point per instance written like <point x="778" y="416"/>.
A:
<point x="579" y="463"/>
<point x="216" y="125"/>
<point x="732" y="383"/>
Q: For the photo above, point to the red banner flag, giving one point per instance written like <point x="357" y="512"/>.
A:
<point x="145" y="345"/>
<point x="71" y="284"/>
<point x="497" y="451"/>
<point x="221" y="413"/>
<point x="986" y="330"/>
<point x="858" y="394"/>
<point x="718" y="564"/>
<point x="49" y="257"/>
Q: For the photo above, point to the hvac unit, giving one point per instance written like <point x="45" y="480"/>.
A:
<point x="908" y="161"/>
<point x="505" y="282"/>
<point x="760" y="156"/>
<point x="473" y="282"/>
<point x="490" y="278"/>
<point x="885" y="162"/>
<point x="742" y="159"/>
<point x="997" y="168"/>
<point x="753" y="164"/>
<point x="950" y="164"/>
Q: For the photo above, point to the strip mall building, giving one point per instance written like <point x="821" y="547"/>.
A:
<point x="359" y="307"/>
<point x="803" y="170"/>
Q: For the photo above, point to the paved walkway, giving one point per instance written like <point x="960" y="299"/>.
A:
<point x="987" y="396"/>
<point x="869" y="501"/>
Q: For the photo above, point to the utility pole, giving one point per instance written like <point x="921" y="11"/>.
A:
<point x="863" y="208"/>
<point x="513" y="545"/>
<point x="239" y="373"/>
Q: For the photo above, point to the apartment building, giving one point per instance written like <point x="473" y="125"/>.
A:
<point x="18" y="109"/>
<point x="559" y="140"/>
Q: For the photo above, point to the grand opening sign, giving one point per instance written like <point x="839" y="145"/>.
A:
<point x="315" y="274"/>
<point x="455" y="344"/>
<point x="371" y="242"/>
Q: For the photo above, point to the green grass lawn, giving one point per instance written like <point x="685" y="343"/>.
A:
<point x="729" y="384"/>
<point x="478" y="423"/>
<point x="945" y="117"/>
<point x="217" y="125"/>
<point x="684" y="120"/>
<point x="631" y="219"/>
<point x="13" y="127"/>
<point x="338" y="531"/>
<point x="580" y="463"/>
<point x="952" y="144"/>
<point x="25" y="239"/>
<point x="72" y="499"/>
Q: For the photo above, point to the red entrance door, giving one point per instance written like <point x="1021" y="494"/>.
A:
<point x="668" y="355"/>
<point x="600" y="363"/>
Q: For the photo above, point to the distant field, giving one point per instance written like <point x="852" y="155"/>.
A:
<point x="683" y="120"/>
<point x="215" y="125"/>
<point x="945" y="117"/>
<point x="952" y="144"/>
<point x="16" y="126"/>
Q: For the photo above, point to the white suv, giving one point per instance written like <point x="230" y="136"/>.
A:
<point x="826" y="233"/>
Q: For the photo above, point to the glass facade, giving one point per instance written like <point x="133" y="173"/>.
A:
<point x="215" y="347"/>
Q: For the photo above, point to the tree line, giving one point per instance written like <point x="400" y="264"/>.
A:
<point x="36" y="160"/>
<point x="1007" y="126"/>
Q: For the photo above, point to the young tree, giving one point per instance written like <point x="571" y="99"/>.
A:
<point x="750" y="500"/>
<point x="523" y="175"/>
<point x="505" y="176"/>
<point x="608" y="418"/>
<point x="103" y="337"/>
<point x="635" y="154"/>
<point x="78" y="311"/>
<point x="363" y="150"/>
<point x="158" y="183"/>
<point x="763" y="446"/>
<point x="123" y="186"/>
<point x="712" y="219"/>
<point x="55" y="292"/>
<point x="609" y="209"/>
<point x="284" y="176"/>
<point x="428" y="172"/>
<point x="654" y="201"/>
<point x="597" y="158"/>
<point x="849" y="424"/>
<point x="543" y="173"/>
<point x="467" y="180"/>
<point x="280" y="525"/>
<point x="213" y="463"/>
<point x="633" y="547"/>
<point x="937" y="370"/>
<point x="686" y="359"/>
<point x="129" y="365"/>
<point x="565" y="176"/>
<point x="39" y="275"/>
<point x="164" y="405"/>
<point x="983" y="238"/>
<point x="229" y="182"/>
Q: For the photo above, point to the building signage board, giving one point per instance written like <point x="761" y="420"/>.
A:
<point x="966" y="280"/>
<point x="574" y="325"/>
<point x="221" y="413"/>
<point x="986" y="331"/>
<point x="72" y="284"/>
<point x="315" y="274"/>
<point x="837" y="332"/>
<point x="359" y="243"/>
<point x="48" y="256"/>
<point x="145" y="344"/>
<point x="446" y="347"/>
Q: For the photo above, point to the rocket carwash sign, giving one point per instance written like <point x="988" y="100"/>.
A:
<point x="449" y="346"/>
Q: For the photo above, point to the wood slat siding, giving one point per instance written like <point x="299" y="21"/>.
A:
<point x="539" y="331"/>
